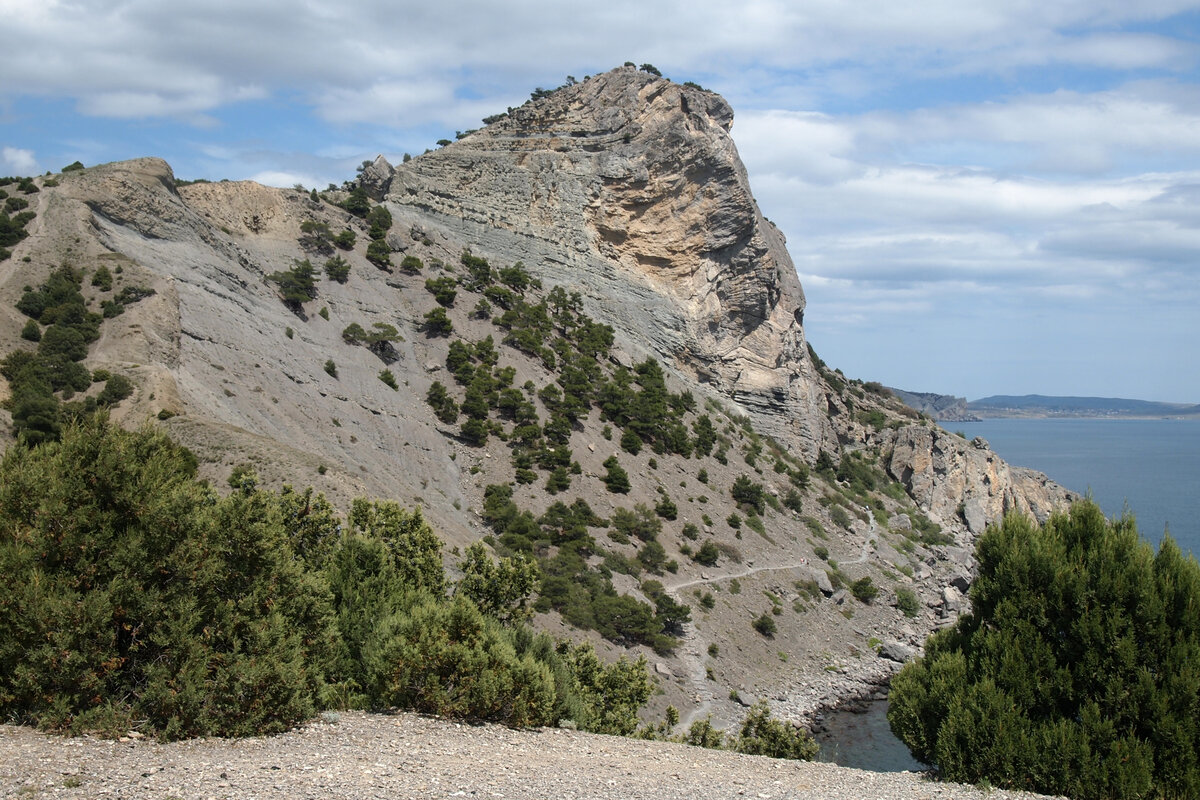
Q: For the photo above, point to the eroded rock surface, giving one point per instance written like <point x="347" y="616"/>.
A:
<point x="952" y="478"/>
<point x="630" y="186"/>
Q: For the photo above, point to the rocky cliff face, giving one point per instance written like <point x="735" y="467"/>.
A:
<point x="630" y="187"/>
<point x="942" y="407"/>
<point x="953" y="479"/>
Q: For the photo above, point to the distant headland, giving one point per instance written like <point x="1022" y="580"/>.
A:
<point x="947" y="408"/>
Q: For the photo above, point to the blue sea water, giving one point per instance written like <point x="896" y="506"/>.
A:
<point x="864" y="740"/>
<point x="1150" y="466"/>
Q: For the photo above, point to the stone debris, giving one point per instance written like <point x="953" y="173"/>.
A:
<point x="406" y="755"/>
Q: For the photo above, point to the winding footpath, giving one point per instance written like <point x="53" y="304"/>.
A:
<point x="695" y="648"/>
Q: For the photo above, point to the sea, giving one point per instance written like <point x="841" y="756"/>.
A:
<point x="1147" y="467"/>
<point x="1150" y="467"/>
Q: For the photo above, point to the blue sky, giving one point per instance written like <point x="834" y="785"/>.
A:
<point x="995" y="197"/>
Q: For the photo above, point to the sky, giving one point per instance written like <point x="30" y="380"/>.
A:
<point x="993" y="197"/>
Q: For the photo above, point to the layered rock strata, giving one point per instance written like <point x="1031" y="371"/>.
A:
<point x="630" y="187"/>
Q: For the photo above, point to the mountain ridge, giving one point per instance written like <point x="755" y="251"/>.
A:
<point x="1068" y="405"/>
<point x="661" y="240"/>
<point x="948" y="408"/>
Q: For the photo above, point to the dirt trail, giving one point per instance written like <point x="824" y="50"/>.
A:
<point x="694" y="648"/>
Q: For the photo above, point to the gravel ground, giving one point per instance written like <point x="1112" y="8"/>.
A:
<point x="409" y="756"/>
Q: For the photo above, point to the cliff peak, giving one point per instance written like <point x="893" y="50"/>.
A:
<point x="632" y="184"/>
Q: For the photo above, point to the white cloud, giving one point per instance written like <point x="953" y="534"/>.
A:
<point x="286" y="180"/>
<point x="120" y="56"/>
<point x="18" y="161"/>
<point x="985" y="162"/>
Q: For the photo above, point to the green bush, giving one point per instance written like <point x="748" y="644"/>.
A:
<point x="138" y="593"/>
<point x="707" y="554"/>
<point x="840" y="517"/>
<point x="606" y="698"/>
<point x="640" y="523"/>
<point x="442" y="403"/>
<point x="864" y="589"/>
<point x="443" y="289"/>
<point x="906" y="601"/>
<point x="616" y="478"/>
<point x="379" y="340"/>
<point x="358" y="203"/>
<point x="380" y="220"/>
<point x="102" y="279"/>
<point x="437" y="323"/>
<point x="749" y="495"/>
<point x="765" y="625"/>
<point x="702" y="733"/>
<point x="1074" y="673"/>
<point x="475" y="432"/>
<point x="116" y="389"/>
<point x="500" y="589"/>
<point x="763" y="735"/>
<point x="345" y="240"/>
<point x="337" y="269"/>
<point x="296" y="286"/>
<point x="450" y="659"/>
<point x="379" y="254"/>
<point x="666" y="508"/>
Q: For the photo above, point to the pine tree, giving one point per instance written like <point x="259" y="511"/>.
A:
<point x="1075" y="672"/>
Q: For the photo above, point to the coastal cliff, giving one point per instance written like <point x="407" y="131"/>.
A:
<point x="626" y="191"/>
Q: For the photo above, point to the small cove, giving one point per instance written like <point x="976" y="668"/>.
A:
<point x="858" y="736"/>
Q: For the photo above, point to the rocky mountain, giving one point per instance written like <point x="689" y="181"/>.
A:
<point x="581" y="289"/>
<point x="942" y="407"/>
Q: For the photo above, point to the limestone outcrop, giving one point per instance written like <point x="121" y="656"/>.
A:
<point x="630" y="187"/>
<point x="942" y="407"/>
<point x="953" y="479"/>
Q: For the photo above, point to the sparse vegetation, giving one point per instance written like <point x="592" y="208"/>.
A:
<point x="297" y="285"/>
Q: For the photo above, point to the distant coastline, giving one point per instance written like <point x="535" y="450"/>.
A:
<point x="948" y="408"/>
<point x="1037" y="406"/>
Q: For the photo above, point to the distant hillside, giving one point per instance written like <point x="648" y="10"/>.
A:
<point x="1037" y="405"/>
